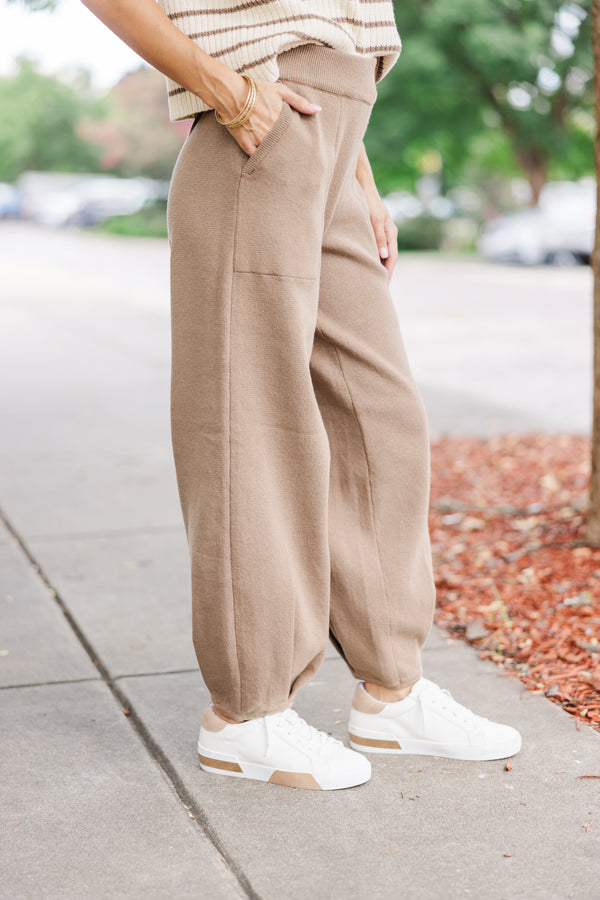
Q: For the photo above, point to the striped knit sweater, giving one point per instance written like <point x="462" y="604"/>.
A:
<point x="247" y="35"/>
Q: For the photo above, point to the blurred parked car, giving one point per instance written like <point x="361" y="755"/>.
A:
<point x="10" y="201"/>
<point x="421" y="219"/>
<point x="61" y="199"/>
<point x="559" y="230"/>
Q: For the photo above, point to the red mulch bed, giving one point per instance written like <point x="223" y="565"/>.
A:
<point x="514" y="575"/>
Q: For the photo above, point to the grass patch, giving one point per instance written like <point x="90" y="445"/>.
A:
<point x="150" y="221"/>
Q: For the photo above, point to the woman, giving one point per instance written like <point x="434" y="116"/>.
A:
<point x="300" y="438"/>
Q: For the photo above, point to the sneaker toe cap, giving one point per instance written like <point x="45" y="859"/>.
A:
<point x="348" y="768"/>
<point x="361" y="764"/>
<point x="505" y="738"/>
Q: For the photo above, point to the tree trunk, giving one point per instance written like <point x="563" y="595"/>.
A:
<point x="534" y="163"/>
<point x="593" y="518"/>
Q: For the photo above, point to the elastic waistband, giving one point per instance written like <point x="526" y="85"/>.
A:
<point x="331" y="70"/>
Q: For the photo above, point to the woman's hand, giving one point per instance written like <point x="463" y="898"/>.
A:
<point x="271" y="97"/>
<point x="144" y="27"/>
<point x="386" y="232"/>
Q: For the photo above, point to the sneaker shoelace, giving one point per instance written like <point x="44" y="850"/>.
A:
<point x="294" y="725"/>
<point x="448" y="704"/>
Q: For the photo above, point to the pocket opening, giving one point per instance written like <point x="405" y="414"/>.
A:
<point x="272" y="136"/>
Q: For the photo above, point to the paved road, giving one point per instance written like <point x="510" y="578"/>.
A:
<point x="493" y="348"/>
<point x="498" y="348"/>
<point x="95" y="614"/>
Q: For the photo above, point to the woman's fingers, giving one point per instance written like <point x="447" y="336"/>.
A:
<point x="299" y="102"/>
<point x="271" y="96"/>
<point x="391" y="233"/>
<point x="378" y="223"/>
<point x="386" y="235"/>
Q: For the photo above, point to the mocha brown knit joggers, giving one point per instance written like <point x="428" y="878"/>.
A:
<point x="299" y="436"/>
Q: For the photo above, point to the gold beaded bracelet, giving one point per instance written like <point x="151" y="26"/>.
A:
<point x="246" y="110"/>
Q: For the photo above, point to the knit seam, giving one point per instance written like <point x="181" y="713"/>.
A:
<point x="229" y="393"/>
<point x="277" y="275"/>
<point x="369" y="481"/>
<point x="336" y="144"/>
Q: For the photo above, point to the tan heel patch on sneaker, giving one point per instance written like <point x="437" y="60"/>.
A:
<point x="364" y="702"/>
<point x="374" y="742"/>
<point x="219" y="763"/>
<point x="212" y="722"/>
<point x="295" y="779"/>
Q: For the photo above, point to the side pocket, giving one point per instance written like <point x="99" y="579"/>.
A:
<point x="270" y="139"/>
<point x="194" y="123"/>
<point x="282" y="194"/>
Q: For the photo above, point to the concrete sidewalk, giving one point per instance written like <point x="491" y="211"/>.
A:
<point x="101" y="697"/>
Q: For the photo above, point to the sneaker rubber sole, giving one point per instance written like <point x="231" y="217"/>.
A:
<point x="374" y="742"/>
<point x="223" y="764"/>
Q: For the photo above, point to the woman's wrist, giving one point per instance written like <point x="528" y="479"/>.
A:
<point x="218" y="86"/>
<point x="367" y="182"/>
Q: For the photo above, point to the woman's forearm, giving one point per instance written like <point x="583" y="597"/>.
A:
<point x="364" y="173"/>
<point x="144" y="27"/>
<point x="386" y="232"/>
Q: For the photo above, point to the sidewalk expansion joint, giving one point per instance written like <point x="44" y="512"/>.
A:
<point x="106" y="533"/>
<point x="153" y="674"/>
<point x="195" y="812"/>
<point x="32" y="684"/>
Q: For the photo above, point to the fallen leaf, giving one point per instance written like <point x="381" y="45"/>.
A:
<point x="550" y="483"/>
<point x="529" y="579"/>
<point x="472" y="523"/>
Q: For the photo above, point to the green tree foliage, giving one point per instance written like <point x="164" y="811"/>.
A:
<point x="481" y="87"/>
<point x="58" y="123"/>
<point x="134" y="133"/>
<point x="39" y="116"/>
<point x="486" y="86"/>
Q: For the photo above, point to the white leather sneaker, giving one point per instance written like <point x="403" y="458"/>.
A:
<point x="429" y="722"/>
<point x="280" y="748"/>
